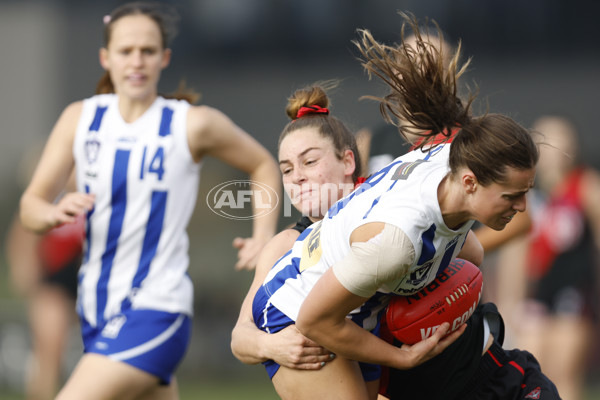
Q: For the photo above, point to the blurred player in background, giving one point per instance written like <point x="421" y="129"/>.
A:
<point x="137" y="159"/>
<point x="43" y="270"/>
<point x="320" y="163"/>
<point x="556" y="318"/>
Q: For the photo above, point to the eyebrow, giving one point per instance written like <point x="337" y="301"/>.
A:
<point x="517" y="194"/>
<point x="300" y="155"/>
<point x="520" y="192"/>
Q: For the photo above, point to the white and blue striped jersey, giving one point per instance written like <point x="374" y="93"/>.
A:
<point x="404" y="194"/>
<point x="146" y="184"/>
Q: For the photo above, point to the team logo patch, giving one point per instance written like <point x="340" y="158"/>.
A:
<point x="113" y="327"/>
<point x="415" y="280"/>
<point x="311" y="249"/>
<point x="92" y="149"/>
<point x="405" y="169"/>
<point x="419" y="275"/>
<point x="535" y="393"/>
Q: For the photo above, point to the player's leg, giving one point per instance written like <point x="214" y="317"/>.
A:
<point x="530" y="329"/>
<point x="569" y="339"/>
<point x="162" y="392"/>
<point x="339" y="379"/>
<point x="50" y="313"/>
<point x="133" y="355"/>
<point x="97" y="377"/>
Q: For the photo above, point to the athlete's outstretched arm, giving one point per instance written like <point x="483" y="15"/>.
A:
<point x="287" y="347"/>
<point x="38" y="210"/>
<point x="210" y="132"/>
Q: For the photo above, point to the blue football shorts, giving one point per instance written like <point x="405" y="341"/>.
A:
<point x="270" y="319"/>
<point x="151" y="340"/>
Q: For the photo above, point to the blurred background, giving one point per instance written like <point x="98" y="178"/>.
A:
<point x="246" y="57"/>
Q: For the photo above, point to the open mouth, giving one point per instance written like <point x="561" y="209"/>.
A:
<point x="509" y="218"/>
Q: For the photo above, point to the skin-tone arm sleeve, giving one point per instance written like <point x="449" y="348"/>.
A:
<point x="210" y="132"/>
<point x="385" y="257"/>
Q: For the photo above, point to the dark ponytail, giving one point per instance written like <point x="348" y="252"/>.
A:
<point x="424" y="101"/>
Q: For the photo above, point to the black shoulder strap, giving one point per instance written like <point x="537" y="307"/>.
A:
<point x="495" y="321"/>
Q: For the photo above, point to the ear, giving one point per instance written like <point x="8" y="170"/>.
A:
<point x="166" y="60"/>
<point x="349" y="162"/>
<point x="469" y="181"/>
<point x="103" y="56"/>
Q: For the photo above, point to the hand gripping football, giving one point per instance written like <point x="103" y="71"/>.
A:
<point x="451" y="297"/>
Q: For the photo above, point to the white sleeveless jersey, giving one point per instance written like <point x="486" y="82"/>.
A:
<point x="146" y="183"/>
<point x="404" y="194"/>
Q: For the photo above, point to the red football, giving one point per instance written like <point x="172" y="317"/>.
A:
<point x="451" y="297"/>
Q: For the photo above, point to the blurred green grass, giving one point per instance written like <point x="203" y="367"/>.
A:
<point x="213" y="390"/>
<point x="247" y="390"/>
<point x="231" y="390"/>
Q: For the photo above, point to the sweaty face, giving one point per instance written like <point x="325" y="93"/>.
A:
<point x="135" y="56"/>
<point x="497" y="204"/>
<point x="314" y="178"/>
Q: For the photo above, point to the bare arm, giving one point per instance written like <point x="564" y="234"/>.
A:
<point x="472" y="250"/>
<point x="22" y="257"/>
<point x="287" y="347"/>
<point x="38" y="211"/>
<point x="322" y="318"/>
<point x="210" y="132"/>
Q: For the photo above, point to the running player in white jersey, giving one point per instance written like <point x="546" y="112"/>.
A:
<point x="137" y="159"/>
<point x="394" y="232"/>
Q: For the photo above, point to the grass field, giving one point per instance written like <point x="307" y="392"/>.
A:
<point x="209" y="391"/>
<point x="244" y="390"/>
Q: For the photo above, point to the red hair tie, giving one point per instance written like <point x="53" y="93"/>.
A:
<point x="311" y="110"/>
<point x="359" y="181"/>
